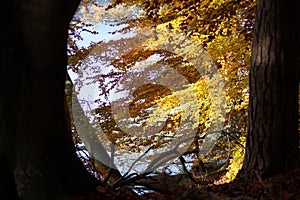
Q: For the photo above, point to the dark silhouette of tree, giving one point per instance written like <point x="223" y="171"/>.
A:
<point x="37" y="156"/>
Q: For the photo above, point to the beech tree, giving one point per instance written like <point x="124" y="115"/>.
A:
<point x="272" y="145"/>
<point x="223" y="28"/>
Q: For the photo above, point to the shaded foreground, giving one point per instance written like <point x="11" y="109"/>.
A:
<point x="284" y="187"/>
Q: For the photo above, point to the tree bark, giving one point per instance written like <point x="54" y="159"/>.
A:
<point x="37" y="156"/>
<point x="273" y="141"/>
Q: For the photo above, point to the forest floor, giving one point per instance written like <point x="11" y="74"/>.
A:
<point x="281" y="187"/>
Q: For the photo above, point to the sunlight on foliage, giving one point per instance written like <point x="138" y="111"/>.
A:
<point x="222" y="27"/>
<point x="236" y="162"/>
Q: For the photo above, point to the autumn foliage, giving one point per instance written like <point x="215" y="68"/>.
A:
<point x="223" y="28"/>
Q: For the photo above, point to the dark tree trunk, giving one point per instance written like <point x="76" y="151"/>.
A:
<point x="37" y="157"/>
<point x="273" y="141"/>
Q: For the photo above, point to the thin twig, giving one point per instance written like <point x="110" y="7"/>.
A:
<point x="126" y="176"/>
<point x="191" y="177"/>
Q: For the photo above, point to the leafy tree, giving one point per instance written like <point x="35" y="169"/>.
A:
<point x="226" y="37"/>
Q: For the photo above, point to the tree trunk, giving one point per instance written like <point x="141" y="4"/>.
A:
<point x="37" y="156"/>
<point x="273" y="141"/>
